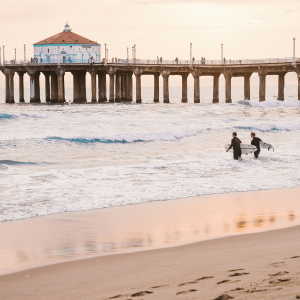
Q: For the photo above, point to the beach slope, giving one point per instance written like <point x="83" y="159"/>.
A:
<point x="251" y="266"/>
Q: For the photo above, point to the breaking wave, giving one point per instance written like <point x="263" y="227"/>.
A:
<point x="127" y="138"/>
<point x="272" y="127"/>
<point x="272" y="103"/>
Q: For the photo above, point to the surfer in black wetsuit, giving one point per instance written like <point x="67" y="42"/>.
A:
<point x="255" y="142"/>
<point x="236" y="145"/>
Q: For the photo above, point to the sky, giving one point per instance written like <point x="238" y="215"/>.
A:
<point x="165" y="28"/>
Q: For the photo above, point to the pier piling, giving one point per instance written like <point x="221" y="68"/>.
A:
<point x="281" y="87"/>
<point x="196" y="88"/>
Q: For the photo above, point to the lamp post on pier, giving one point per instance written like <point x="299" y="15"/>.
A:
<point x="127" y="54"/>
<point x="191" y="52"/>
<point x="15" y="55"/>
<point x="24" y="54"/>
<point x="294" y="50"/>
<point x="134" y="51"/>
<point x="222" y="54"/>
<point x="105" y="52"/>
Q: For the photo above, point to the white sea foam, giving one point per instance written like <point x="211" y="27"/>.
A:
<point x="79" y="157"/>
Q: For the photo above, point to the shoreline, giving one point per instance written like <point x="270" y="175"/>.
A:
<point x="45" y="241"/>
<point x="265" y="264"/>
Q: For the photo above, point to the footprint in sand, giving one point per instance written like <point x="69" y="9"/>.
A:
<point x="238" y="274"/>
<point x="237" y="289"/>
<point x="118" y="296"/>
<point x="203" y="278"/>
<point x="195" y="281"/>
<point x="185" y="292"/>
<point x="227" y="281"/>
<point x="279" y="280"/>
<point x="277" y="264"/>
<point x="223" y="297"/>
<point x="295" y="257"/>
<point x="159" y="286"/>
<point x="279" y="274"/>
<point x="143" y="293"/>
<point x="235" y="270"/>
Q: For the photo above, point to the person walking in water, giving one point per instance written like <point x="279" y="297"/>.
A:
<point x="236" y="145"/>
<point x="255" y="142"/>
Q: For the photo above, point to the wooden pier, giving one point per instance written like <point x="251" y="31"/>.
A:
<point x="121" y="79"/>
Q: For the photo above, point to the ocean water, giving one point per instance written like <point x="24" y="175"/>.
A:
<point x="63" y="158"/>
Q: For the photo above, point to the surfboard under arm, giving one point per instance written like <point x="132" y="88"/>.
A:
<point x="246" y="149"/>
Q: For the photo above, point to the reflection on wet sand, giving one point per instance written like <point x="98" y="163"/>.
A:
<point x="152" y="225"/>
<point x="240" y="224"/>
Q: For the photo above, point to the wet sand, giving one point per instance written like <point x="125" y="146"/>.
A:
<point x="63" y="237"/>
<point x="251" y="266"/>
<point x="185" y="272"/>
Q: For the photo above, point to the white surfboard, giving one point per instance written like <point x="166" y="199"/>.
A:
<point x="266" y="146"/>
<point x="246" y="149"/>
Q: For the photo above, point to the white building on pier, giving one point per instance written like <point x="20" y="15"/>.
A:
<point x="69" y="47"/>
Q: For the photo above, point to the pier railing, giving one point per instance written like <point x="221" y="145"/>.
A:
<point x="155" y="61"/>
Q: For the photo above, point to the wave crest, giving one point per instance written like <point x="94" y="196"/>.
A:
<point x="127" y="138"/>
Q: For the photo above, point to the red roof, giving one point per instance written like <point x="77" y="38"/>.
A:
<point x="66" y="37"/>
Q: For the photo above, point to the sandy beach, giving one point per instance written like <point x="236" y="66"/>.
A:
<point x="252" y="266"/>
<point x="250" y="263"/>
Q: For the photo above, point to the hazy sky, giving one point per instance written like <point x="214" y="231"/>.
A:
<point x="248" y="29"/>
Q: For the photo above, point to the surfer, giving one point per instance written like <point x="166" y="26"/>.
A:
<point x="255" y="142"/>
<point x="236" y="145"/>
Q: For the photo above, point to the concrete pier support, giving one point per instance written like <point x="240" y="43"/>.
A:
<point x="32" y="88"/>
<point x="47" y="87"/>
<point x="138" y="88"/>
<point x="166" y="88"/>
<point x="112" y="87"/>
<point x="228" y="87"/>
<point x="196" y="89"/>
<point x="94" y="86"/>
<point x="54" y="88"/>
<point x="129" y="87"/>
<point x="216" y="89"/>
<point x="128" y="83"/>
<point x="82" y="90"/>
<point x="37" y="90"/>
<point x="118" y="88"/>
<point x="11" y="98"/>
<point x="6" y="88"/>
<point x="64" y="90"/>
<point x="247" y="87"/>
<point x="60" y="86"/>
<point x="298" y="86"/>
<point x="123" y="87"/>
<point x="156" y="88"/>
<point x="102" y="87"/>
<point x="262" y="86"/>
<point x="21" y="87"/>
<point x="76" y="96"/>
<point x="281" y="87"/>
<point x="184" y="98"/>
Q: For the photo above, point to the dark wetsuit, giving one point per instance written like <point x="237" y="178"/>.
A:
<point x="256" y="142"/>
<point x="235" y="144"/>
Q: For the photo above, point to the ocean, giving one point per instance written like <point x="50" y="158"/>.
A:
<point x="65" y="158"/>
